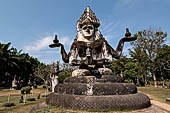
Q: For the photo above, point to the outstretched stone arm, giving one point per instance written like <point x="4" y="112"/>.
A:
<point x="62" y="51"/>
<point x="119" y="48"/>
<point x="64" y="55"/>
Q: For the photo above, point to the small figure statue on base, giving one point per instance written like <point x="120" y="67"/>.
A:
<point x="38" y="96"/>
<point x="21" y="99"/>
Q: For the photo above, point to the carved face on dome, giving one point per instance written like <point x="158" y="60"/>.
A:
<point x="87" y="31"/>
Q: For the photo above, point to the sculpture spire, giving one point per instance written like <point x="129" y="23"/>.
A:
<point x="88" y="16"/>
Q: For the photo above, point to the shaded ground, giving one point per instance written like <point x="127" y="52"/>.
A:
<point x="53" y="109"/>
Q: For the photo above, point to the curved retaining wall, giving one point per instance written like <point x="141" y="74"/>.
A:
<point x="97" y="88"/>
<point x="107" y="102"/>
<point x="104" y="79"/>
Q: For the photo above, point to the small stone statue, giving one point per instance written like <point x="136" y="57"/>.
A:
<point x="38" y="96"/>
<point x="21" y="99"/>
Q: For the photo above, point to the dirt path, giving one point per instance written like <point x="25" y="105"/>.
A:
<point x="161" y="105"/>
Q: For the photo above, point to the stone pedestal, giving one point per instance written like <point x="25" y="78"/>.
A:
<point x="89" y="93"/>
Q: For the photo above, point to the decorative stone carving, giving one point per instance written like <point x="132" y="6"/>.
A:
<point x="87" y="89"/>
<point x="80" y="72"/>
<point x="89" y="46"/>
<point x="105" y="71"/>
<point x="14" y="83"/>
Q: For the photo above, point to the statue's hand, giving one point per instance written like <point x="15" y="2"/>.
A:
<point x="128" y="39"/>
<point x="55" y="45"/>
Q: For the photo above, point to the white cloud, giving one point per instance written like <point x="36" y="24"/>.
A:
<point x="110" y="31"/>
<point x="40" y="48"/>
<point x="44" y="43"/>
<point x="167" y="42"/>
<point x="39" y="44"/>
<point x="109" y="28"/>
<point x="65" y="40"/>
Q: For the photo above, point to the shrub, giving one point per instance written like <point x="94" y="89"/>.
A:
<point x="8" y="105"/>
<point x="63" y="75"/>
<point x="31" y="99"/>
<point x="27" y="89"/>
<point x="43" y="86"/>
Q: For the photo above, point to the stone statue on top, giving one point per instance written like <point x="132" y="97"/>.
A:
<point x="90" y="47"/>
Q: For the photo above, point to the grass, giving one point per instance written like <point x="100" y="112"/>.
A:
<point x="15" y="97"/>
<point x="159" y="94"/>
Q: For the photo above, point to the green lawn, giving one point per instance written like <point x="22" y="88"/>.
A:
<point x="159" y="94"/>
<point x="15" y="97"/>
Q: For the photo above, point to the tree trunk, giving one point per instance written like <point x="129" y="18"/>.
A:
<point x="155" y="82"/>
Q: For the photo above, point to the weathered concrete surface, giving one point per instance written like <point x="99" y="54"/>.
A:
<point x="98" y="88"/>
<point x="102" y="103"/>
<point x="103" y="79"/>
<point x="80" y="72"/>
<point x="105" y="71"/>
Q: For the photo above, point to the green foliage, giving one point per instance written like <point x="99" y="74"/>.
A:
<point x="27" y="89"/>
<point x="163" y="62"/>
<point x="131" y="71"/>
<point x="43" y="86"/>
<point x="149" y="58"/>
<point x="14" y="63"/>
<point x="117" y="65"/>
<point x="145" y="50"/>
<point x="63" y="75"/>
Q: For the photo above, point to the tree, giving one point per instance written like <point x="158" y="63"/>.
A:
<point x="139" y="56"/>
<point x="13" y="63"/>
<point x="118" y="66"/>
<point x="163" y="63"/>
<point x="49" y="74"/>
<point x="43" y="72"/>
<point x="148" y="42"/>
<point x="131" y="72"/>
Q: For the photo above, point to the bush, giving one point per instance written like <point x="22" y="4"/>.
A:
<point x="31" y="99"/>
<point x="27" y="89"/>
<point x="63" y="75"/>
<point x="8" y="105"/>
<point x="43" y="86"/>
<point x="128" y="81"/>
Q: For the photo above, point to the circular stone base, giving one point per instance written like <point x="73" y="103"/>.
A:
<point x="109" y="102"/>
<point x="97" y="88"/>
<point x="103" y="79"/>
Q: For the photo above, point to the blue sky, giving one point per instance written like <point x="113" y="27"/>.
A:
<point x="30" y="25"/>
